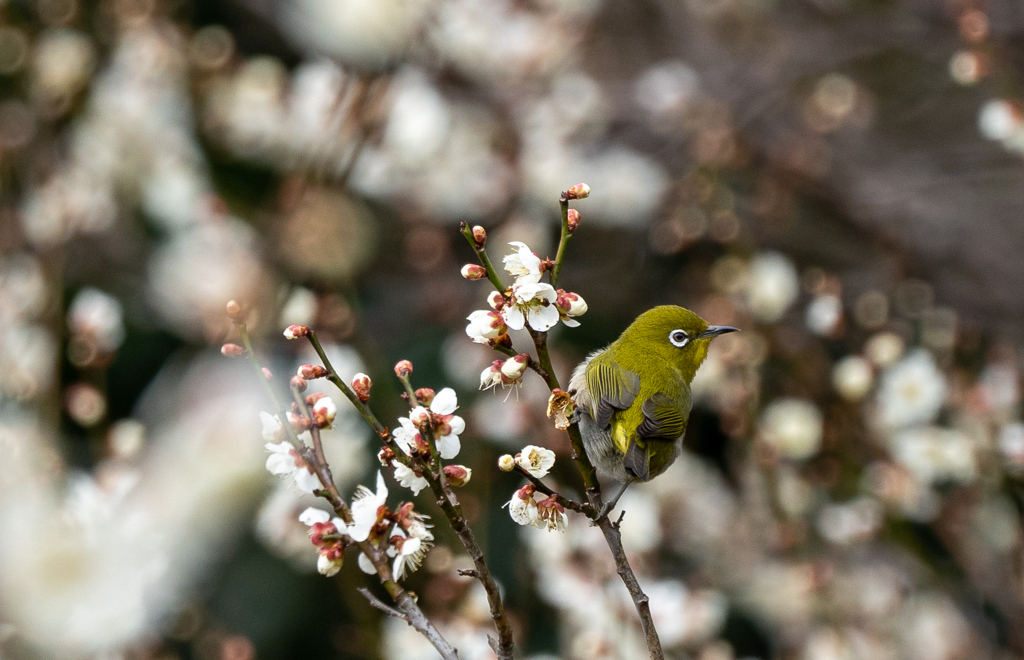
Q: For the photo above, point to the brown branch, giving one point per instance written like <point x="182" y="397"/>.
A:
<point x="380" y="605"/>
<point x="578" y="507"/>
<point x="446" y="500"/>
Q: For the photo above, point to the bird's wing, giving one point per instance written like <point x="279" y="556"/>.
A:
<point x="663" y="418"/>
<point x="611" y="388"/>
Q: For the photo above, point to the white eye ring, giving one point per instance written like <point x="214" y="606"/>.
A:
<point x="679" y="338"/>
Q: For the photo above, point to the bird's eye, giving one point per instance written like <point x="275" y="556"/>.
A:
<point x="679" y="338"/>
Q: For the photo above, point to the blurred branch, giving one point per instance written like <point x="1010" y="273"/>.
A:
<point x="378" y="604"/>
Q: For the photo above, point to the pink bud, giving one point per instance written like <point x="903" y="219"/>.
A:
<point x="574" y="220"/>
<point x="525" y="493"/>
<point x="312" y="371"/>
<point x="425" y="396"/>
<point x="296" y="331"/>
<point x="234" y="310"/>
<point x="479" y="235"/>
<point x="473" y="272"/>
<point x="361" y="385"/>
<point x="324" y="412"/>
<point x="267" y="373"/>
<point x="571" y="304"/>
<point x="403" y="369"/>
<point x="458" y="475"/>
<point x="299" y="383"/>
<point x="579" y="191"/>
<point x="232" y="350"/>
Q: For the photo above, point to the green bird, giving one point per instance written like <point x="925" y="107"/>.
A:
<point x="633" y="397"/>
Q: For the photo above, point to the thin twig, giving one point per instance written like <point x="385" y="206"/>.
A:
<point x="563" y="241"/>
<point x="380" y="605"/>
<point x="481" y="254"/>
<point x="578" y="507"/>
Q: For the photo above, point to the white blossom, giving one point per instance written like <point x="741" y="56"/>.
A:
<point x="522" y="506"/>
<point x="934" y="454"/>
<point x="327" y="566"/>
<point x="523" y="264"/>
<point x="532" y="304"/>
<point x="365" y="565"/>
<point x="285" y="461"/>
<point x="365" y="506"/>
<point x="443" y="406"/>
<point x="313" y="515"/>
<point x="911" y="391"/>
<point x="852" y="377"/>
<point x="538" y="461"/>
<point x="774" y="286"/>
<point x="793" y="426"/>
<point x="271" y="427"/>
<point x="485" y="325"/>
<point x="405" y="435"/>
<point x="409" y="479"/>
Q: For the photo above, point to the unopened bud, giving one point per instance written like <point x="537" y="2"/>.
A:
<point x="574" y="220"/>
<point x="296" y="331"/>
<point x="479" y="235"/>
<point x="571" y="304"/>
<point x="458" y="475"/>
<point x="425" y="396"/>
<point x="311" y="399"/>
<point x="403" y="369"/>
<point x="324" y="412"/>
<point x="473" y="272"/>
<point x="312" y="371"/>
<point x="232" y="350"/>
<point x="496" y="300"/>
<point x="506" y="463"/>
<point x="579" y="191"/>
<point x="299" y="383"/>
<point x="234" y="310"/>
<point x="514" y="367"/>
<point x="267" y="373"/>
<point x="361" y="385"/>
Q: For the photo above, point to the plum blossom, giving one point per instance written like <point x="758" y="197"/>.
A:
<point x="570" y="305"/>
<point x="533" y="304"/>
<point x="522" y="507"/>
<point x="365" y="507"/>
<point x="447" y="424"/>
<point x="285" y="461"/>
<point x="409" y="479"/>
<point x="523" y="264"/>
<point x="551" y="515"/>
<point x="538" y="461"/>
<point x="792" y="426"/>
<point x="485" y="326"/>
<point x="408" y="551"/>
<point x="331" y="551"/>
<point x="911" y="391"/>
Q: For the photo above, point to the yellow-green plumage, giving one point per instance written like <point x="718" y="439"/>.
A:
<point x="633" y="398"/>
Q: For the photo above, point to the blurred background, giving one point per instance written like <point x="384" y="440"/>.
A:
<point x="842" y="179"/>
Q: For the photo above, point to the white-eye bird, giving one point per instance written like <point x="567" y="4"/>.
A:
<point x="633" y="397"/>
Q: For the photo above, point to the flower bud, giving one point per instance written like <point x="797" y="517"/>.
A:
<point x="324" y="412"/>
<point x="296" y="331"/>
<point x="234" y="310"/>
<point x="572" y="304"/>
<point x="313" y="398"/>
<point x="484" y="326"/>
<point x="579" y="191"/>
<point x="267" y="373"/>
<point x="232" y="350"/>
<point x="496" y="301"/>
<point x="458" y="475"/>
<point x="473" y="272"/>
<point x="361" y="385"/>
<point x="514" y="367"/>
<point x="329" y="564"/>
<point x="299" y="383"/>
<point x="312" y="371"/>
<point x="425" y="396"/>
<point x="403" y="369"/>
<point x="573" y="220"/>
<point x="479" y="235"/>
<point x="506" y="463"/>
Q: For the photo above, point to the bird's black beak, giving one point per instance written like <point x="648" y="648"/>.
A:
<point x="715" y="330"/>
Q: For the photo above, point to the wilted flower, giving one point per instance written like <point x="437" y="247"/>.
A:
<point x="534" y="304"/>
<point x="522" y="507"/>
<point x="793" y="426"/>
<point x="538" y="461"/>
<point x="911" y="391"/>
<point x="523" y="264"/>
<point x="366" y="509"/>
<point x="560" y="408"/>
<point x="852" y="377"/>
<point x="485" y="326"/>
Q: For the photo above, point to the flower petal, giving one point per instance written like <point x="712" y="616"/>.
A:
<point x="313" y="515"/>
<point x="445" y="402"/>
<point x="514" y="318"/>
<point x="366" y="565"/>
<point x="449" y="446"/>
<point x="543" y="318"/>
<point x="306" y="481"/>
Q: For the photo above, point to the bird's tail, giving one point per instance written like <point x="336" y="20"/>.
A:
<point x="637" y="461"/>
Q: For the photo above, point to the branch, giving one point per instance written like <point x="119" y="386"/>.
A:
<point x="563" y="242"/>
<point x="446" y="500"/>
<point x="383" y="607"/>
<point x="578" y="507"/>
<point x="481" y="254"/>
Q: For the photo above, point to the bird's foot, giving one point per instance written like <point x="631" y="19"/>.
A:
<point x="602" y="514"/>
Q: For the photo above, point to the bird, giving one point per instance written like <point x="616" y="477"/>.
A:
<point x="632" y="398"/>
